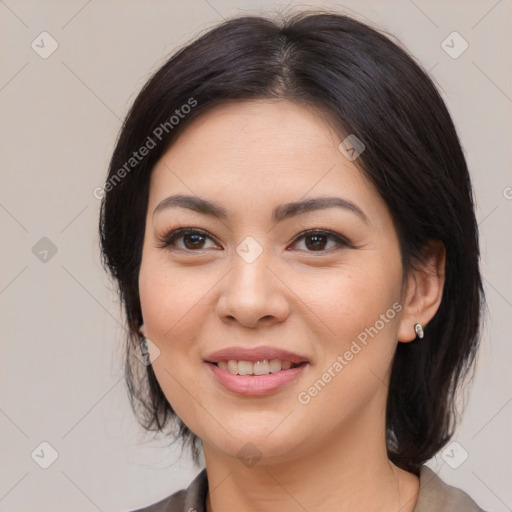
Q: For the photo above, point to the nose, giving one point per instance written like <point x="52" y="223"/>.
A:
<point x="253" y="293"/>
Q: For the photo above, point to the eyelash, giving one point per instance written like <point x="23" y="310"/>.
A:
<point x="168" y="240"/>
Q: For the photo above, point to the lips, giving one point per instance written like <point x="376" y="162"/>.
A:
<point x="291" y="367"/>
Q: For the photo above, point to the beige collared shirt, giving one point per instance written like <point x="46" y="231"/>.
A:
<point x="434" y="496"/>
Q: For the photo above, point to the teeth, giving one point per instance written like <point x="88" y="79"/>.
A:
<point x="275" y="365"/>
<point x="245" y="368"/>
<point x="233" y="367"/>
<point x="223" y="365"/>
<point x="263" y="367"/>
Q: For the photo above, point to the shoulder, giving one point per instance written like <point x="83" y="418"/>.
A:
<point x="191" y="499"/>
<point x="436" y="495"/>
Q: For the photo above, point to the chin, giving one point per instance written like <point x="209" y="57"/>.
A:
<point x="258" y="447"/>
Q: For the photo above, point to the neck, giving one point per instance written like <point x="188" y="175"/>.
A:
<point x="349" y="472"/>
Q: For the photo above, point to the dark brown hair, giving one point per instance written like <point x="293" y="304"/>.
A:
<point x="371" y="88"/>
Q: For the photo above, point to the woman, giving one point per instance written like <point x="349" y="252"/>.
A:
<point x="289" y="219"/>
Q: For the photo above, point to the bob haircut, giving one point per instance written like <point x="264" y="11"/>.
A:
<point x="365" y="85"/>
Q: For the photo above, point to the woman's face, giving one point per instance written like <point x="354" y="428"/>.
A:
<point x="249" y="284"/>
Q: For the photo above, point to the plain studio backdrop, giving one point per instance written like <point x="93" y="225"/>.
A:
<point x="70" y="70"/>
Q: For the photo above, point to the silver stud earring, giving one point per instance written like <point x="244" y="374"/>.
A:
<point x="418" y="329"/>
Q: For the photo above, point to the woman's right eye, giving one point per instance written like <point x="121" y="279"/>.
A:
<point x="193" y="239"/>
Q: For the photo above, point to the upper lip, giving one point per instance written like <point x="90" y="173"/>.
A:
<point x="254" y="354"/>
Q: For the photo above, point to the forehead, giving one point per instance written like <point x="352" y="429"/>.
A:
<point x="259" y="152"/>
<point x="267" y="129"/>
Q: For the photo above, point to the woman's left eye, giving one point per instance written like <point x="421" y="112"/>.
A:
<point x="318" y="239"/>
<point x="315" y="240"/>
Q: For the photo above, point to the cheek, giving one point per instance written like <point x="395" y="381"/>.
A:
<point x="167" y="303"/>
<point x="173" y="307"/>
<point x="354" y="362"/>
<point x="169" y="298"/>
<point x="359" y="311"/>
<point x="349" y="299"/>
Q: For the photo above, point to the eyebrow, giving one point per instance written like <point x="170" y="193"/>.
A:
<point x="280" y="213"/>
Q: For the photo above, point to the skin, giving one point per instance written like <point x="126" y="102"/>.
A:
<point x="328" y="454"/>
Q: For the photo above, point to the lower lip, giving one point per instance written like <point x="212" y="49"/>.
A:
<point x="256" y="385"/>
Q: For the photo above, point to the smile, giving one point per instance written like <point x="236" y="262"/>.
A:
<point x="255" y="371"/>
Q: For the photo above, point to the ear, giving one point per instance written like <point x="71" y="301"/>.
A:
<point x="142" y="330"/>
<point x="423" y="290"/>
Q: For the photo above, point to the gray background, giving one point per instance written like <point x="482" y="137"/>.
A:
<point x="61" y="368"/>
